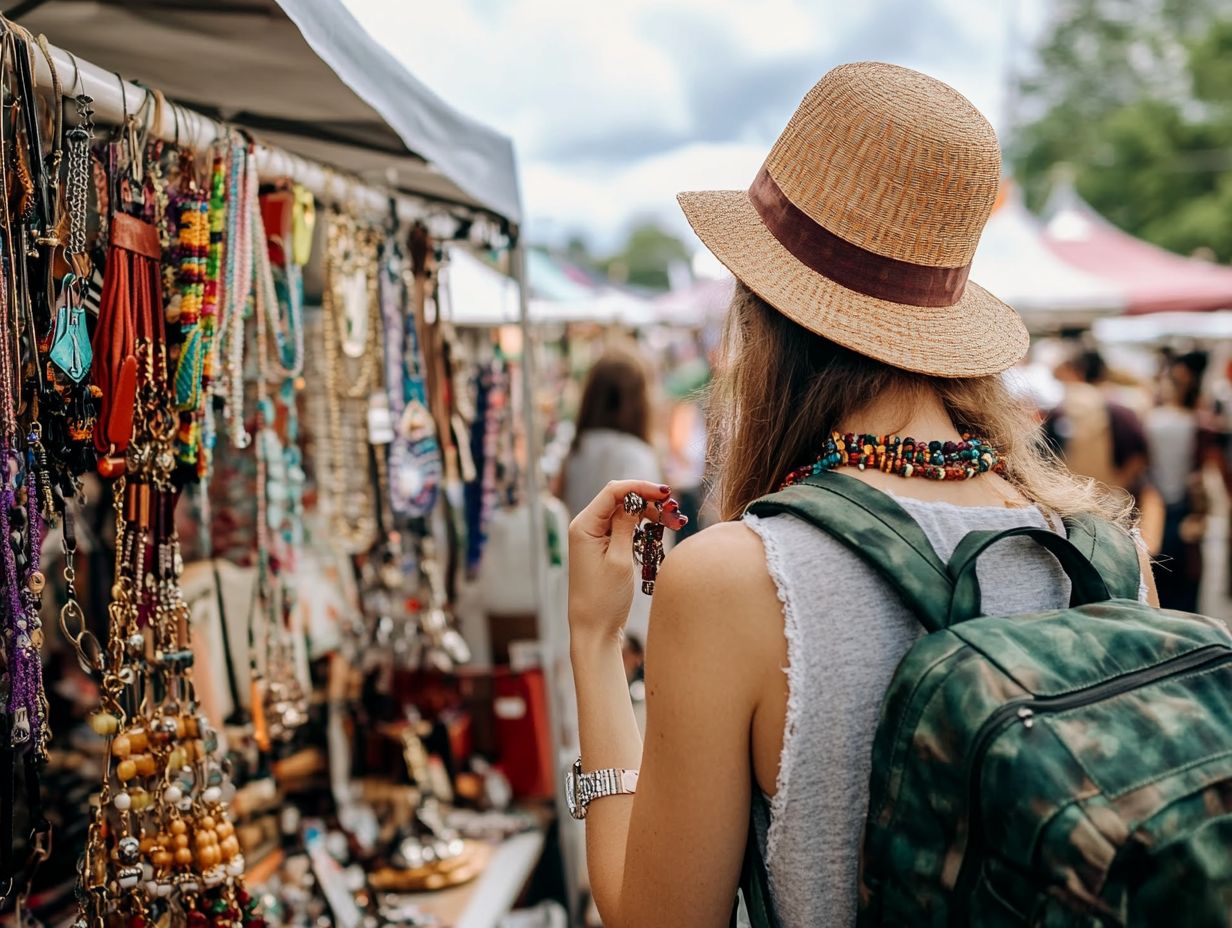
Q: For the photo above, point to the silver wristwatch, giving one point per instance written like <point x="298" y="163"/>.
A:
<point x="583" y="788"/>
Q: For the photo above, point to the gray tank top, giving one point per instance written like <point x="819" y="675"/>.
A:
<point x="846" y="633"/>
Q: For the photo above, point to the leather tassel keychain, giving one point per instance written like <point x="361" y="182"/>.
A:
<point x="130" y="311"/>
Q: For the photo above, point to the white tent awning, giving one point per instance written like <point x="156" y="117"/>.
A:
<point x="302" y="74"/>
<point x="1015" y="265"/>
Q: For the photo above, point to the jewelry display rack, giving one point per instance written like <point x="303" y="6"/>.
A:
<point x="112" y="100"/>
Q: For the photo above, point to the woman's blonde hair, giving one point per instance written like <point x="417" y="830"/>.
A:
<point x="779" y="391"/>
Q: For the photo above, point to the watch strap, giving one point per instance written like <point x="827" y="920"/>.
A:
<point x="607" y="782"/>
<point x="610" y="782"/>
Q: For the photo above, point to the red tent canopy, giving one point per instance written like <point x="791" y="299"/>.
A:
<point x="1153" y="280"/>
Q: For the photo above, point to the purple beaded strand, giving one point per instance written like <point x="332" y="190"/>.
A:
<point x="23" y="682"/>
<point x="34" y="694"/>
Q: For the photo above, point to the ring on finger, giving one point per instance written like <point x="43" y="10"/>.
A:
<point x="634" y="504"/>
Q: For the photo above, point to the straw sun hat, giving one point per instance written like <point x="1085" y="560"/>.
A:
<point x="863" y="221"/>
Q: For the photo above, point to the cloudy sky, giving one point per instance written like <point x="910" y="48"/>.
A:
<point x="614" y="107"/>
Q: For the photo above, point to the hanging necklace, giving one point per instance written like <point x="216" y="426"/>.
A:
<point x="189" y="209"/>
<point x="20" y="542"/>
<point x="287" y="328"/>
<point x="351" y="503"/>
<point x="415" y="454"/>
<point x="196" y="441"/>
<point x="903" y="457"/>
<point x="160" y="843"/>
<point x="278" y="689"/>
<point x="236" y="291"/>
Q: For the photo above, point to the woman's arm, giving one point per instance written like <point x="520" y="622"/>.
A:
<point x="671" y="854"/>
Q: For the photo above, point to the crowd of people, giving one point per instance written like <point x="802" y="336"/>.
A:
<point x="1161" y="441"/>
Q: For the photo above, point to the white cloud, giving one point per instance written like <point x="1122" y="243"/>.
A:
<point x="603" y="202"/>
<point x="614" y="107"/>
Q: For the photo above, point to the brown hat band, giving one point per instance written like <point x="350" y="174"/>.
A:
<point x="849" y="265"/>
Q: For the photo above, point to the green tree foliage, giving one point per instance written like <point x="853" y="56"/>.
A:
<point x="1135" y="98"/>
<point x="643" y="262"/>
<point x="648" y="254"/>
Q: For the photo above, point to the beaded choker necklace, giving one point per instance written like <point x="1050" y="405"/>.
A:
<point x="903" y="457"/>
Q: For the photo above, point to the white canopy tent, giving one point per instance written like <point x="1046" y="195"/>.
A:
<point x="1015" y="264"/>
<point x="1162" y="328"/>
<point x="304" y="75"/>
<point x="473" y="293"/>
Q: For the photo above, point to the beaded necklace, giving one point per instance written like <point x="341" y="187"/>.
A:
<point x="237" y="290"/>
<point x="288" y="332"/>
<point x="195" y="442"/>
<point x="164" y="780"/>
<point x="20" y="628"/>
<point x="278" y="687"/>
<point x="186" y="306"/>
<point x="903" y="457"/>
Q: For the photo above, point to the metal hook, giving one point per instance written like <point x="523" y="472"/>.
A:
<point x="123" y="98"/>
<point x="78" y="80"/>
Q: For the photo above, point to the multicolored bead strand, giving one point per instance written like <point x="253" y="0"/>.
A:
<point x="903" y="457"/>
<point x="195" y="439"/>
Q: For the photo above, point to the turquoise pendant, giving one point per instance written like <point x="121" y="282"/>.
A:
<point x="70" y="344"/>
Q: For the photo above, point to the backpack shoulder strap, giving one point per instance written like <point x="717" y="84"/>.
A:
<point x="1111" y="550"/>
<point x="878" y="530"/>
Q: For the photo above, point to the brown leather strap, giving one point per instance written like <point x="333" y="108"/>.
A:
<point x="130" y="310"/>
<point x="131" y="234"/>
<point x="847" y="264"/>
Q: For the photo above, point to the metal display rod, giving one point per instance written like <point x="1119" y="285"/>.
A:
<point x="114" y="98"/>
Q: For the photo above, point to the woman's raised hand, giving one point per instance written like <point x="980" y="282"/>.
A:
<point x="601" y="556"/>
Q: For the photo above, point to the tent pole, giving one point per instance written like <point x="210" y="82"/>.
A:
<point x="553" y="651"/>
<point x="534" y="483"/>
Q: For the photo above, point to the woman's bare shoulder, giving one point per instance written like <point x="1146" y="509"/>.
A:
<point x="716" y="607"/>
<point x="720" y="572"/>
<point x="729" y="553"/>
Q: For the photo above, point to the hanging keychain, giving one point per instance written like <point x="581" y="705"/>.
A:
<point x="647" y="541"/>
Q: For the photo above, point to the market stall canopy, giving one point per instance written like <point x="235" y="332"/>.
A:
<point x="1154" y="280"/>
<point x="1014" y="262"/>
<point x="1158" y="329"/>
<point x="474" y="293"/>
<point x="702" y="302"/>
<point x="305" y="75"/>
<point x="561" y="293"/>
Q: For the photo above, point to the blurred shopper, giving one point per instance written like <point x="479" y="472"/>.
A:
<point x="776" y="635"/>
<point x="612" y="441"/>
<point x="1098" y="435"/>
<point x="1179" y="447"/>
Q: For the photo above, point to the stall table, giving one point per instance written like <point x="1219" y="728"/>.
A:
<point x="484" y="901"/>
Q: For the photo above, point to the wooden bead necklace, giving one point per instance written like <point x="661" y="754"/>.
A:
<point x="903" y="457"/>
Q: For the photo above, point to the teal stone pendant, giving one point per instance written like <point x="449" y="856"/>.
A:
<point x="70" y="344"/>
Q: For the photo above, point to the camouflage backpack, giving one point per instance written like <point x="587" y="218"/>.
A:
<point x="1067" y="768"/>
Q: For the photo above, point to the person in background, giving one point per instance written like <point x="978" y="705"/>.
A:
<point x="1101" y="437"/>
<point x="1179" y="446"/>
<point x="612" y="441"/>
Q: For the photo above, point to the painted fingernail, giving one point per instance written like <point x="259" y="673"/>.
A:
<point x="671" y="505"/>
<point x="664" y="488"/>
